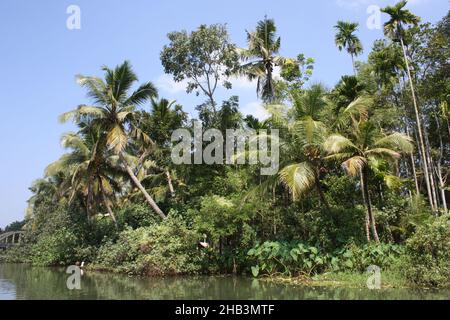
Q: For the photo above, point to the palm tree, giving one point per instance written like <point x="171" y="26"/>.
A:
<point x="114" y="111"/>
<point x="360" y="151"/>
<point x="309" y="134"/>
<point x="346" y="39"/>
<point x="386" y="63"/>
<point x="261" y="58"/>
<point x="395" y="29"/>
<point x="88" y="171"/>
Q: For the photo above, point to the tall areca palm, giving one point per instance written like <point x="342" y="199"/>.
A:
<point x="261" y="57"/>
<point x="114" y="112"/>
<point x="346" y="39"/>
<point x="395" y="29"/>
<point x="360" y="151"/>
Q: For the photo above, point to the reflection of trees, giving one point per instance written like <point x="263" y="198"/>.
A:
<point x="45" y="283"/>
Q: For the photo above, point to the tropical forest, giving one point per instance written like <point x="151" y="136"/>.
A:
<point x="362" y="179"/>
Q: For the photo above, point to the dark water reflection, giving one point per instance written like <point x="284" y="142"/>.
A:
<point x="19" y="282"/>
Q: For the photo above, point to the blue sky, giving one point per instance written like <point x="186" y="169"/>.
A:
<point x="40" y="58"/>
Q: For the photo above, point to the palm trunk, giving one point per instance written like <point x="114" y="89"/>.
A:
<point x="413" y="166"/>
<point x="321" y="194"/>
<point x="353" y="64"/>
<point x="431" y="166"/>
<point x="419" y="127"/>
<point x="367" y="218"/>
<point x="442" y="188"/>
<point x="139" y="185"/>
<point x="369" y="205"/>
<point x="439" y="168"/>
<point x="108" y="207"/>
<point x="169" y="182"/>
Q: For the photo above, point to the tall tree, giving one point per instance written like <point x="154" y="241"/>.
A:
<point x="261" y="58"/>
<point x="88" y="171"/>
<point x="309" y="133"/>
<point x="114" y="111"/>
<point x="395" y="29"/>
<point x="205" y="58"/>
<point x="358" y="152"/>
<point x="346" y="39"/>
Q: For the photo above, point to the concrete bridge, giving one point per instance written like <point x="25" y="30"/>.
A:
<point x="10" y="239"/>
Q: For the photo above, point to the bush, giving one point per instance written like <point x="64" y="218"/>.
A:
<point x="55" y="249"/>
<point x="427" y="261"/>
<point x="169" y="248"/>
<point x="137" y="216"/>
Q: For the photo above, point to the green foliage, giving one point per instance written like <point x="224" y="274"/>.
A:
<point x="293" y="258"/>
<point x="168" y="248"/>
<point x="54" y="249"/>
<point x="136" y="215"/>
<point x="357" y="258"/>
<point x="427" y="260"/>
<point x="296" y="258"/>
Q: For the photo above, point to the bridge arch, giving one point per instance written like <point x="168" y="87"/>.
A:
<point x="10" y="239"/>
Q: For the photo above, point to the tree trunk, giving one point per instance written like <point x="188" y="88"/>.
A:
<point x="369" y="205"/>
<point x="367" y="218"/>
<point x="139" y="185"/>
<point x="442" y="188"/>
<point x="321" y="194"/>
<point x="439" y="168"/>
<point x="431" y="166"/>
<point x="108" y="207"/>
<point x="353" y="64"/>
<point x="169" y="182"/>
<point x="419" y="127"/>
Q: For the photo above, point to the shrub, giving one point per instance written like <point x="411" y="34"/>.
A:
<point x="427" y="261"/>
<point x="55" y="249"/>
<point x="168" y="248"/>
<point x="136" y="216"/>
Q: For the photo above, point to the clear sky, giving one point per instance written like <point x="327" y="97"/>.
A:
<point x="40" y="57"/>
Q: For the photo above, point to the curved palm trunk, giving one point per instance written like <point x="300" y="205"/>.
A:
<point x="419" y="127"/>
<point x="141" y="188"/>
<point x="108" y="207"/>
<point x="365" y="188"/>
<point x="169" y="182"/>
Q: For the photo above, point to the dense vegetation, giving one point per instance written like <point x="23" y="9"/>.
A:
<point x="363" y="170"/>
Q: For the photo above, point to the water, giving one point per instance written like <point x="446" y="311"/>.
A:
<point x="19" y="282"/>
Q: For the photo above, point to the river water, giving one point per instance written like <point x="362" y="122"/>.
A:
<point x="19" y="282"/>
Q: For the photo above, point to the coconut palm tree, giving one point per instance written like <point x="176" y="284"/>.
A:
<point x="114" y="112"/>
<point x="261" y="58"/>
<point x="346" y="39"/>
<point x="308" y="133"/>
<point x="360" y="150"/>
<point x="88" y="171"/>
<point x="395" y="29"/>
